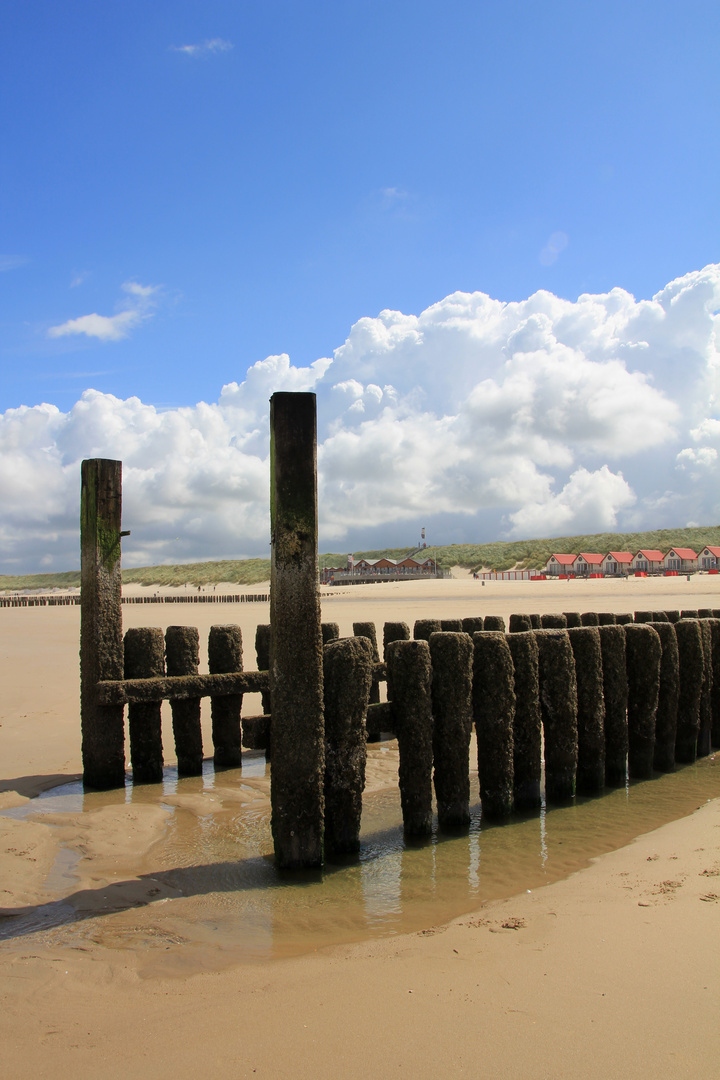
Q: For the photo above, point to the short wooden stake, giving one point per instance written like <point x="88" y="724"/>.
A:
<point x="409" y="678"/>
<point x="145" y="659"/>
<point x="347" y="676"/>
<point x="225" y="655"/>
<point x="452" y="659"/>
<point x="182" y="657"/>
<point x="493" y="697"/>
<point x="558" y="703"/>
<point x="527" y="728"/>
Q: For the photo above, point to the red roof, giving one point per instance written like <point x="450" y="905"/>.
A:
<point x="619" y="556"/>
<point x="684" y="553"/>
<point x="590" y="556"/>
<point x="564" y="560"/>
<point x="651" y="556"/>
<point x="713" y="550"/>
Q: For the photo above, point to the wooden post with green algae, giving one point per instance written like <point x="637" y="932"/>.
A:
<point x="296" y="668"/>
<point x="101" y="641"/>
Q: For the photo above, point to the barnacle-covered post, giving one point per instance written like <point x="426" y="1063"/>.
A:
<point x="409" y="676"/>
<point x="225" y="655"/>
<point x="347" y="675"/>
<point x="527" y="728"/>
<point x="585" y="642"/>
<point x="296" y="674"/>
<point x="559" y="708"/>
<point x="666" y="717"/>
<point x="144" y="658"/>
<point x="101" y="641"/>
<point x="367" y="630"/>
<point x="704" y="744"/>
<point x="182" y="657"/>
<point x="615" y="695"/>
<point x="451" y="655"/>
<point x="493" y="700"/>
<point x="643" y="654"/>
<point x="425" y="627"/>
<point x="691" y="661"/>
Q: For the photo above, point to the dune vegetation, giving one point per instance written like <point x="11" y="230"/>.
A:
<point x="498" y="555"/>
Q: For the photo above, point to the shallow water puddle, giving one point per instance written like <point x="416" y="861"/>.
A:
<point x="185" y="870"/>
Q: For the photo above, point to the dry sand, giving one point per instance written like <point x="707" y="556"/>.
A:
<point x="611" y="971"/>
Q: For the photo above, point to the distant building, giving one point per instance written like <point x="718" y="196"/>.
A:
<point x="616" y="562"/>
<point x="681" y="560"/>
<point x="379" y="570"/>
<point x="587" y="562"/>
<point x="560" y="564"/>
<point x="648" y="561"/>
<point x="709" y="558"/>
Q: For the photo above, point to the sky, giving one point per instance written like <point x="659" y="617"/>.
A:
<point x="485" y="235"/>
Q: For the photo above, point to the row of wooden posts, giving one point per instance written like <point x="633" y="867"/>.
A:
<point x="628" y="696"/>
<point x="603" y="697"/>
<point x="191" y="598"/>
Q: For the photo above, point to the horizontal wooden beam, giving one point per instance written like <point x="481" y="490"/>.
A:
<point x="177" y="687"/>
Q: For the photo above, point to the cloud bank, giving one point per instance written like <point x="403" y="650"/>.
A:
<point x="477" y="417"/>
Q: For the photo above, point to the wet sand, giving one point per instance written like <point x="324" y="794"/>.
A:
<point x="146" y="931"/>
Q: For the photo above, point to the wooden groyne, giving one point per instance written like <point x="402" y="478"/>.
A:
<point x="588" y="700"/>
<point x="199" y="598"/>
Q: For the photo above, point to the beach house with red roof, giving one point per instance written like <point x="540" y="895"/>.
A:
<point x="560" y="564"/>
<point x="647" y="561"/>
<point x="587" y="562"/>
<point x="616" y="563"/>
<point x="709" y="558"/>
<point x="681" y="560"/>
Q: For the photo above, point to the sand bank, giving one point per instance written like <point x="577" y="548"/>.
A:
<point x="612" y="970"/>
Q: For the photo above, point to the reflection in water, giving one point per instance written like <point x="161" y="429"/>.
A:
<point x="543" y="835"/>
<point x="217" y="888"/>
<point x="474" y="864"/>
<point x="381" y="889"/>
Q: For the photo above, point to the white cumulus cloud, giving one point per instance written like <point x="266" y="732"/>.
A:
<point x="537" y="417"/>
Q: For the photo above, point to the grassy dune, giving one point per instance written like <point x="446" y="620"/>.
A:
<point x="499" y="555"/>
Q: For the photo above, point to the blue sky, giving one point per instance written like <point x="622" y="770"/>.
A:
<point x="224" y="182"/>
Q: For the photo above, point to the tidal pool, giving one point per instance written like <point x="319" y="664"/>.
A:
<point x="205" y="891"/>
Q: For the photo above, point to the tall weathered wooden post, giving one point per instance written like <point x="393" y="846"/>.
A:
<point x="101" y="641"/>
<point x="296" y="658"/>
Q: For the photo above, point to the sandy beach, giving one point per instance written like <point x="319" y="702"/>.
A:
<point x="146" y="933"/>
